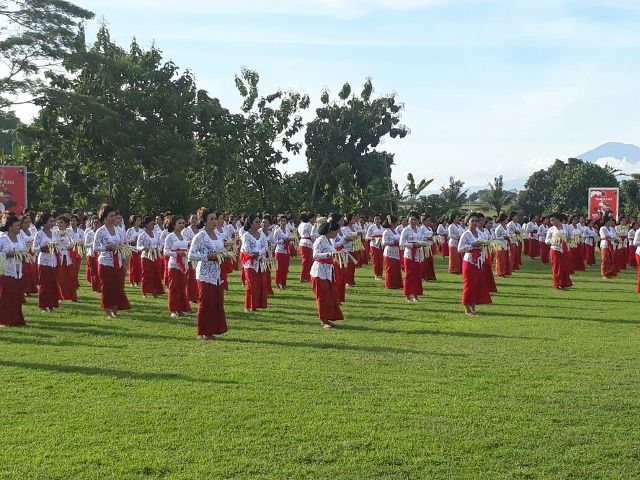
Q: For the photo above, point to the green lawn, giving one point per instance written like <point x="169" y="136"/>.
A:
<point x="543" y="384"/>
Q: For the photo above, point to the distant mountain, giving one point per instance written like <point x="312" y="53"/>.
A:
<point x="621" y="151"/>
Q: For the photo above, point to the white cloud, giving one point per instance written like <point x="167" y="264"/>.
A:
<point x="623" y="164"/>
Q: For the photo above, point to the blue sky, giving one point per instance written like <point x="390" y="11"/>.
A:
<point x="490" y="87"/>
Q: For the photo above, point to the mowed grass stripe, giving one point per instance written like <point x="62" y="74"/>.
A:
<point x="543" y="384"/>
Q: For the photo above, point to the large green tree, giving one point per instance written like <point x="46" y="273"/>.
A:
<point x="34" y="35"/>
<point x="343" y="155"/>
<point x="453" y="196"/>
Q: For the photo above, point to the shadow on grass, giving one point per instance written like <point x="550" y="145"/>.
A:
<point x="109" y="372"/>
<point x="49" y="343"/>
<point x="338" y="346"/>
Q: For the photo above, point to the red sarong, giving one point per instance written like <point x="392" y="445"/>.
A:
<point x="211" y="319"/>
<point x="378" y="262"/>
<point x="135" y="268"/>
<point x="112" y="295"/>
<point x="255" y="296"/>
<point x="178" y="298"/>
<point x="306" y="258"/>
<point x="11" y="297"/>
<point x="282" y="272"/>
<point x="474" y="290"/>
<point x="151" y="277"/>
<point x="560" y="268"/>
<point x="48" y="290"/>
<point x="413" y="278"/>
<point x="326" y="300"/>
<point x="455" y="261"/>
<point x="392" y="273"/>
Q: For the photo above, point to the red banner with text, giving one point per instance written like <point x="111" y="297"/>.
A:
<point x="603" y="202"/>
<point x="13" y="189"/>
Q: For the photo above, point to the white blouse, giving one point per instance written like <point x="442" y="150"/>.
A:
<point x="133" y="234"/>
<point x="465" y="245"/>
<point x="374" y="235"/>
<point x="563" y="233"/>
<point x="147" y="241"/>
<point x="103" y="239"/>
<point x="588" y="235"/>
<point x="408" y="237"/>
<point x="171" y="246"/>
<point x="501" y="235"/>
<point x="542" y="233"/>
<point x="391" y="242"/>
<point x="304" y="230"/>
<point x="42" y="240"/>
<point x="279" y="238"/>
<point x="89" y="236"/>
<point x="253" y="245"/>
<point x="513" y="228"/>
<point x="322" y="248"/>
<point x="532" y="231"/>
<point x="608" y="234"/>
<point x="207" y="271"/>
<point x="13" y="268"/>
<point x="636" y="242"/>
<point x="76" y="235"/>
<point x="455" y="231"/>
<point x="346" y="232"/>
<point x="65" y="245"/>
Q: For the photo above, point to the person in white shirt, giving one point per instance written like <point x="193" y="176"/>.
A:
<point x="135" y="264"/>
<point x="532" y="236"/>
<point x="455" y="231"/>
<point x="504" y="264"/>
<point x="252" y="255"/>
<point x="588" y="240"/>
<point x="443" y="233"/>
<point x="410" y="240"/>
<point x="205" y="245"/>
<point x="542" y="236"/>
<point x="374" y="237"/>
<point x="515" y="246"/>
<point x="475" y="290"/>
<point x="322" y="275"/>
<point x="93" y="278"/>
<point x="608" y="240"/>
<point x="11" y="295"/>
<point x="282" y="240"/>
<point x="306" y="247"/>
<point x="391" y="242"/>
<point x="633" y="227"/>
<point x="426" y="231"/>
<point x="558" y="236"/>
<point x="150" y="249"/>
<point x="636" y="249"/>
<point x="176" y="249"/>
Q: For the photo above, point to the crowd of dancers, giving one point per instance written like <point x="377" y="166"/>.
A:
<point x="191" y="258"/>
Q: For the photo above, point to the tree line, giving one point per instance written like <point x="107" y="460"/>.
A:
<point x="127" y="127"/>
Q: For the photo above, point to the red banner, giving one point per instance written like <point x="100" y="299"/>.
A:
<point x="603" y="202"/>
<point x="13" y="189"/>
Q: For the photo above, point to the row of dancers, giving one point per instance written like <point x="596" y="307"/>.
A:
<point x="192" y="258"/>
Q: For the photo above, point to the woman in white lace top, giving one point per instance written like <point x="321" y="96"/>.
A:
<point x="206" y="244"/>
<point x="148" y="245"/>
<point x="11" y="294"/>
<point x="175" y="249"/>
<point x="322" y="275"/>
<point x="391" y="242"/>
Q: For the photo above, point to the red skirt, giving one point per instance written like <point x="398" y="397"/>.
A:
<point x="48" y="290"/>
<point x="378" y="262"/>
<point x="151" y="279"/>
<point x="29" y="278"/>
<point x="413" y="278"/>
<point x="112" y="295"/>
<point x="292" y="250"/>
<point x="340" y="285"/>
<point x="192" y="285"/>
<point x="76" y="260"/>
<point x="526" y="246"/>
<point x="67" y="278"/>
<point x="165" y="269"/>
<point x="503" y="265"/>
<point x="350" y="272"/>
<point x="608" y="264"/>
<point x="392" y="274"/>
<point x="178" y="298"/>
<point x="96" y="285"/>
<point x="135" y="268"/>
<point x="326" y="300"/>
<point x="534" y="248"/>
<point x="489" y="280"/>
<point x="621" y="258"/>
<point x="638" y="262"/>
<point x="428" y="272"/>
<point x="589" y="254"/>
<point x="11" y="296"/>
<point x="560" y="268"/>
<point x="255" y="296"/>
<point x="365" y="252"/>
<point x="444" y="249"/>
<point x="211" y="318"/>
<point x="474" y="290"/>
<point x="266" y="283"/>
<point x="544" y="253"/>
<point x="577" y="263"/>
<point x="282" y="272"/>
<point x="455" y="261"/>
<point x="87" y="269"/>
<point x="632" y="256"/>
<point x="513" y="257"/>
<point x="306" y="258"/>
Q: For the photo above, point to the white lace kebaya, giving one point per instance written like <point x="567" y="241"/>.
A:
<point x="207" y="271"/>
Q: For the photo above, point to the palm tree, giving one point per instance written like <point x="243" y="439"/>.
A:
<point x="413" y="191"/>
<point x="496" y="196"/>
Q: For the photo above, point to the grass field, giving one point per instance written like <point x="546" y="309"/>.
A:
<point x="543" y="384"/>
